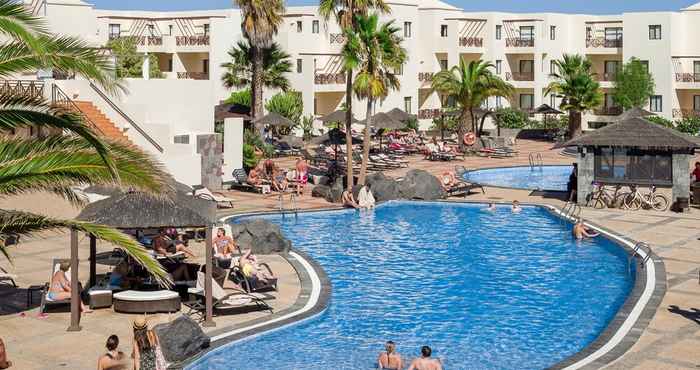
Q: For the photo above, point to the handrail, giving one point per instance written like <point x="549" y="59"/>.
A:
<point x="60" y="98"/>
<point x="635" y="252"/>
<point x="126" y="117"/>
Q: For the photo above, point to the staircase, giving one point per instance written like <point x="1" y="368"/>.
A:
<point x="104" y="124"/>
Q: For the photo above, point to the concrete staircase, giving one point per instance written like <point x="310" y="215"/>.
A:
<point x="103" y="123"/>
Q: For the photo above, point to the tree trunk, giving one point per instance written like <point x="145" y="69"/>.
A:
<point x="366" y="144"/>
<point x="348" y="129"/>
<point x="574" y="124"/>
<point x="472" y="117"/>
<point x="460" y="130"/>
<point x="481" y="124"/>
<point x="257" y="88"/>
<point x="442" y="127"/>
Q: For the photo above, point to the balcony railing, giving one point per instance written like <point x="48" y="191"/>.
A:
<point x="32" y="89"/>
<point x="687" y="77"/>
<point x="329" y="78"/>
<point x="425" y="76"/>
<point x="475" y="42"/>
<point x="685" y="113"/>
<point x="520" y="76"/>
<point x="337" y="38"/>
<point x="518" y="42"/>
<point x="605" y="77"/>
<point x="602" y="42"/>
<point x="192" y="40"/>
<point x="193" y="76"/>
<point x="150" y="41"/>
<point x="429" y="113"/>
<point x="608" y="111"/>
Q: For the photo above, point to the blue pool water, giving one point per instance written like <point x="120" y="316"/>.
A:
<point x="484" y="290"/>
<point x="538" y="178"/>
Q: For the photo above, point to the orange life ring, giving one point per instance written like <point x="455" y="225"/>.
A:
<point x="469" y="138"/>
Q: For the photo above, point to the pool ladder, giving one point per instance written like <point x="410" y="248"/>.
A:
<point x="293" y="200"/>
<point x="635" y="252"/>
<point x="571" y="211"/>
<point x="535" y="160"/>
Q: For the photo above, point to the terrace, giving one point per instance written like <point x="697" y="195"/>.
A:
<point x="604" y="36"/>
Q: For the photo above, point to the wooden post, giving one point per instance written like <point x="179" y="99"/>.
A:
<point x="93" y="262"/>
<point x="75" y="290"/>
<point x="208" y="321"/>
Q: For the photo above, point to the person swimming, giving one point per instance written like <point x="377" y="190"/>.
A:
<point x="390" y="359"/>
<point x="515" y="208"/>
<point x="425" y="362"/>
<point x="491" y="207"/>
<point x="581" y="232"/>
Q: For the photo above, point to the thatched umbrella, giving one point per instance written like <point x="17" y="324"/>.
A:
<point x="633" y="113"/>
<point x="336" y="117"/>
<point x="333" y="137"/>
<point x="274" y="119"/>
<point x="400" y="115"/>
<point x="229" y="110"/>
<point x="545" y="109"/>
<point x="384" y="121"/>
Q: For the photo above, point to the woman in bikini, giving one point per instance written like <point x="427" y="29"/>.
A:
<point x="224" y="246"/>
<point x="390" y="360"/>
<point x="113" y="359"/>
<point x="60" y="288"/>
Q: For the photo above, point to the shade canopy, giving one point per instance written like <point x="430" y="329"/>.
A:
<point x="635" y="133"/>
<point x="333" y="137"/>
<point x="274" y="119"/>
<point x="111" y="191"/>
<point x="400" y="115"/>
<point x="337" y="116"/>
<point x="633" y="113"/>
<point x="228" y="110"/>
<point x="135" y="210"/>
<point x="546" y="109"/>
<point x="385" y="121"/>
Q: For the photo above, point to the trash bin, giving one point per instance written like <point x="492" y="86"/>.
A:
<point x="682" y="204"/>
<point x="696" y="193"/>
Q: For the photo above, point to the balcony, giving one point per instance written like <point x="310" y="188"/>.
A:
<point x="520" y="76"/>
<point x="329" y="78"/>
<point x="605" y="77"/>
<point x="149" y="41"/>
<point x="687" y="77"/>
<point x="608" y="111"/>
<point x="519" y="42"/>
<point x="471" y="42"/>
<point x="425" y="76"/>
<point x="429" y="113"/>
<point x="200" y="40"/>
<point x="685" y="113"/>
<point x="602" y="42"/>
<point x="192" y="76"/>
<point x="336" y="38"/>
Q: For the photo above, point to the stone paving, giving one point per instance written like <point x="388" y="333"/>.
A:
<point x="670" y="341"/>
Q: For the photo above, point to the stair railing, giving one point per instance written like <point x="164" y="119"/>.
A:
<point x="61" y="99"/>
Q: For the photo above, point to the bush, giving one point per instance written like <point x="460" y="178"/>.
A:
<point x="129" y="62"/>
<point x="250" y="160"/>
<point x="411" y="124"/>
<point x="689" y="125"/>
<point x="661" y="121"/>
<point x="287" y="104"/>
<point x="511" y="118"/>
<point x="242" y="97"/>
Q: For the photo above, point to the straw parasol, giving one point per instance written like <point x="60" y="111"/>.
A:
<point x="400" y="115"/>
<point x="274" y="119"/>
<point x="230" y="110"/>
<point x="545" y="109"/>
<point x="336" y="117"/>
<point x="633" y="113"/>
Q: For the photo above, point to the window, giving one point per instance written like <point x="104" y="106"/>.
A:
<point x="181" y="139"/>
<point x="299" y="26"/>
<point x="316" y="106"/>
<point x="611" y="68"/>
<point x="499" y="66"/>
<point x="170" y="29"/>
<point x="552" y="32"/>
<point x="299" y="69"/>
<point x="498" y="31"/>
<point x="655" y="32"/>
<point x="552" y="100"/>
<point x="609" y="102"/>
<point x="624" y="165"/>
<point x="696" y="71"/>
<point x="696" y="102"/>
<point x="314" y="26"/>
<point x="205" y="66"/>
<point x="114" y="31"/>
<point x="407" y="104"/>
<point x="552" y="66"/>
<point x="151" y="30"/>
<point x="406" y="29"/>
<point x="527" y="101"/>
<point x="206" y="29"/>
<point x="589" y="33"/>
<point x="613" y="33"/>
<point x="443" y="30"/>
<point x="170" y="65"/>
<point x="499" y="104"/>
<point x="527" y="32"/>
<point x="527" y="66"/>
<point x="443" y="64"/>
<point x="656" y="103"/>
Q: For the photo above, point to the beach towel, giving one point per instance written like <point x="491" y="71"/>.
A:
<point x="365" y="198"/>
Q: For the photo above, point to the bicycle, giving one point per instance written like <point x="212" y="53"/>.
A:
<point x="604" y="198"/>
<point x="654" y="200"/>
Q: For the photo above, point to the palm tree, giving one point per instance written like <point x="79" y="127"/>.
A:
<point x="239" y="71"/>
<point x="375" y="51"/>
<point x="260" y="22"/>
<point x="470" y="85"/>
<point x="56" y="163"/>
<point x="574" y="82"/>
<point x="344" y="12"/>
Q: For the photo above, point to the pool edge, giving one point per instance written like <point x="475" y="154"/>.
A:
<point x="512" y="188"/>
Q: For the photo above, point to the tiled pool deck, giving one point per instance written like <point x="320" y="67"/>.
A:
<point x="670" y="341"/>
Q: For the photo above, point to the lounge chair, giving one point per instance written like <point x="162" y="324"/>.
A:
<point x="240" y="182"/>
<point x="45" y="301"/>
<point x="135" y="301"/>
<point x="221" y="300"/>
<point x="221" y="200"/>
<point x="6" y="276"/>
<point x="254" y="285"/>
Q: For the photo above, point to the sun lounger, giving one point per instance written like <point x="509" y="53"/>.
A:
<point x="221" y="200"/>
<point x="6" y="276"/>
<point x="45" y="301"/>
<point x="135" y="301"/>
<point x="221" y="300"/>
<point x="240" y="182"/>
<point x="254" y="285"/>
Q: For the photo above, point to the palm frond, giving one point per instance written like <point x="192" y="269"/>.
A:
<point x="17" y="22"/>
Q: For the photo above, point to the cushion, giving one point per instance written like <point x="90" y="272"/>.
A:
<point x="141" y="296"/>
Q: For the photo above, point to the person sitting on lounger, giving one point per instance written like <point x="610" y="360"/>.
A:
<point x="365" y="198"/>
<point x="254" y="177"/>
<point x="60" y="286"/>
<point x="348" y="200"/>
<point x="113" y="359"/>
<point x="581" y="232"/>
<point x="425" y="362"/>
<point x="224" y="246"/>
<point x="250" y="268"/>
<point x="448" y="180"/>
<point x="390" y="360"/>
<point x="4" y="362"/>
<point x="165" y="246"/>
<point x="515" y="208"/>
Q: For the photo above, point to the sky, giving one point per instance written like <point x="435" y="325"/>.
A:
<point x="566" y="6"/>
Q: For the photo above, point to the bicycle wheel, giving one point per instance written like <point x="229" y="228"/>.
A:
<point x="599" y="203"/>
<point x="633" y="202"/>
<point x="659" y="202"/>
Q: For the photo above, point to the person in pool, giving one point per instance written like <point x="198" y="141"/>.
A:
<point x="491" y="207"/>
<point x="390" y="360"/>
<point x="515" y="208"/>
<point x="581" y="232"/>
<point x="425" y="362"/>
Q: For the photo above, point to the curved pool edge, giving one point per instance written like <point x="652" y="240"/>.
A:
<point x="512" y="188"/>
<point x="623" y="331"/>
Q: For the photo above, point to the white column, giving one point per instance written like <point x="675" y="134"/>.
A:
<point x="146" y="67"/>
<point x="233" y="146"/>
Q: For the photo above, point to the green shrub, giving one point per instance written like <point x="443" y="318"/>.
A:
<point x="250" y="160"/>
<point x="287" y="104"/>
<point x="411" y="124"/>
<point x="689" y="125"/>
<point x="511" y="118"/>
<point x="661" y="121"/>
<point x="242" y="97"/>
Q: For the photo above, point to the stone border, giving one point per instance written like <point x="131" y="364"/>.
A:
<point x="510" y="188"/>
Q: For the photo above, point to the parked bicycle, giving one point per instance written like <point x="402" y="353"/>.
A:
<point x="651" y="200"/>
<point x="604" y="197"/>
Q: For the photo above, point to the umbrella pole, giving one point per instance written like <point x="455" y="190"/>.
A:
<point x="208" y="303"/>
<point x="75" y="290"/>
<point x="93" y="262"/>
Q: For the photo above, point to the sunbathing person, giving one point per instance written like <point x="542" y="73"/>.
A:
<point x="164" y="246"/>
<point x="224" y="246"/>
<point x="251" y="269"/>
<point x="348" y="200"/>
<point x="390" y="360"/>
<point x="254" y="177"/>
<point x="113" y="359"/>
<point x="515" y="208"/>
<point x="448" y="181"/>
<point x="4" y="362"/>
<point x="60" y="287"/>
<point x="581" y="232"/>
<point x="425" y="362"/>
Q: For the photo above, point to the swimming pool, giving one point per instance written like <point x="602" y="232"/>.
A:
<point x="537" y="178"/>
<point x="484" y="290"/>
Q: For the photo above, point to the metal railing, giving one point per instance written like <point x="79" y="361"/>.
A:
<point x="61" y="99"/>
<point x="602" y="42"/>
<point x="535" y="160"/>
<point x="293" y="200"/>
<point x="34" y="89"/>
<point x="683" y="113"/>
<point x="192" y="76"/>
<point x="520" y="76"/>
<point x="329" y="78"/>
<point x="126" y="117"/>
<point x="475" y="42"/>
<point x="605" y="76"/>
<point x="336" y="38"/>
<point x="519" y="42"/>
<point x="425" y="76"/>
<point x="687" y="77"/>
<point x="37" y="7"/>
<point x="608" y="111"/>
<point x="571" y="211"/>
<point x="641" y="246"/>
<point x="198" y="40"/>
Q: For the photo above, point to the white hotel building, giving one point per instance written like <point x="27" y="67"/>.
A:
<point x="191" y="46"/>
